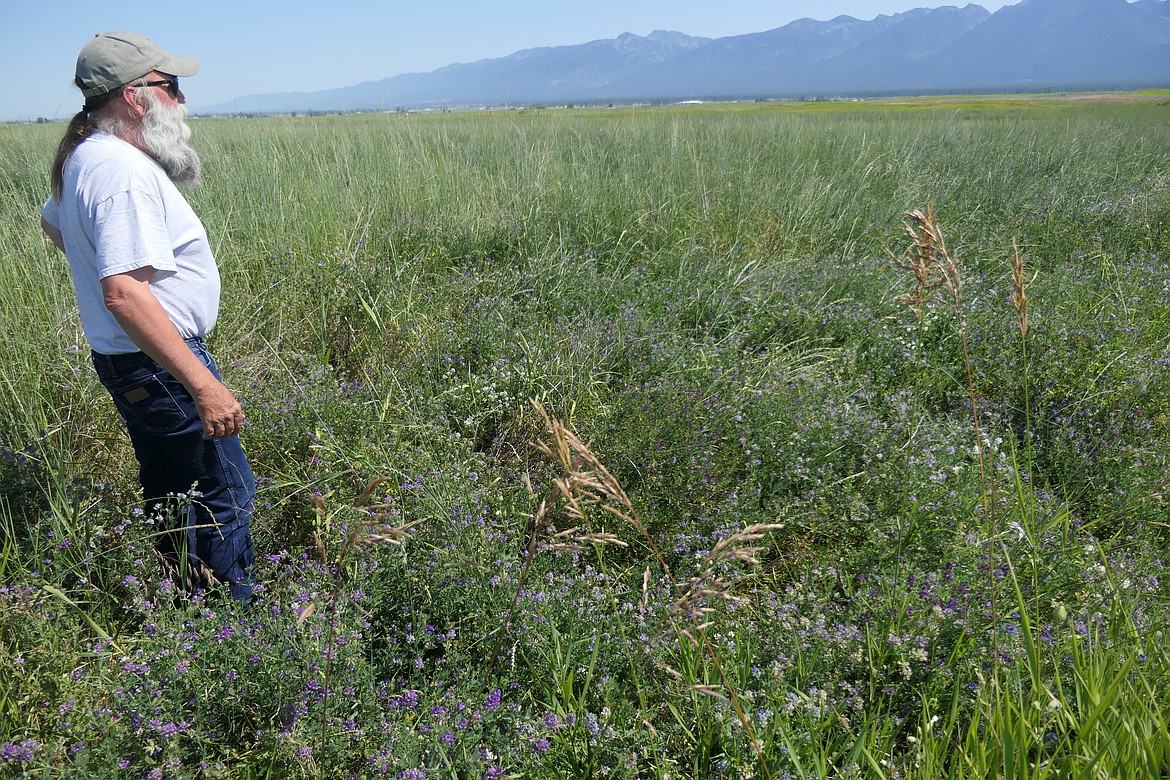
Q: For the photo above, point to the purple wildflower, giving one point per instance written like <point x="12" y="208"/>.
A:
<point x="493" y="700"/>
<point x="19" y="754"/>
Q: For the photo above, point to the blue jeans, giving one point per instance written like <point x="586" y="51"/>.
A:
<point x="208" y="534"/>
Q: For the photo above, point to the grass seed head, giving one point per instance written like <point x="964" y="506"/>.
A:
<point x="928" y="260"/>
<point x="1019" y="293"/>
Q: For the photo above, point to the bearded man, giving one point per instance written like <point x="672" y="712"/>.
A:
<point x="148" y="292"/>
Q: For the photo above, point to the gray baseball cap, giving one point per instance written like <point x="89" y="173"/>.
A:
<point x="114" y="59"/>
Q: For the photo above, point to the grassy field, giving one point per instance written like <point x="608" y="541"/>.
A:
<point x="752" y="441"/>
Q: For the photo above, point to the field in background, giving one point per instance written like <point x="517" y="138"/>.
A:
<point x="798" y="513"/>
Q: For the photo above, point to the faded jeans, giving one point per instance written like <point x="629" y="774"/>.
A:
<point x="204" y="489"/>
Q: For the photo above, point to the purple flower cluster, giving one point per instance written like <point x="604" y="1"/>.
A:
<point x="21" y="753"/>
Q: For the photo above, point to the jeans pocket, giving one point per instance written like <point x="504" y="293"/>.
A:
<point x="153" y="403"/>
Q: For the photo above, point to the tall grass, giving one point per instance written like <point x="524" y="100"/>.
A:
<point x="796" y="528"/>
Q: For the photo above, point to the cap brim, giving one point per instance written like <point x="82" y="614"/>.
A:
<point x="174" y="65"/>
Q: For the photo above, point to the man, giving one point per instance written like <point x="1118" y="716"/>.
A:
<point x="148" y="291"/>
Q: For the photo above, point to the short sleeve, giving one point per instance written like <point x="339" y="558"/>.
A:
<point x="130" y="232"/>
<point x="51" y="212"/>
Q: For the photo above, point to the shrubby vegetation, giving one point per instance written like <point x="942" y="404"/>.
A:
<point x="803" y="494"/>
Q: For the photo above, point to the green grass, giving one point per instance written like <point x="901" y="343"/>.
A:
<point x="707" y="297"/>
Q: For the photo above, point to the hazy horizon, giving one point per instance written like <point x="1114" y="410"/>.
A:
<point x="301" y="46"/>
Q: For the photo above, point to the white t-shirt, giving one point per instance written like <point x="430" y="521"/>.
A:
<point x="120" y="212"/>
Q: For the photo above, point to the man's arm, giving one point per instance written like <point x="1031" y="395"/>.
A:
<point x="54" y="234"/>
<point x="129" y="299"/>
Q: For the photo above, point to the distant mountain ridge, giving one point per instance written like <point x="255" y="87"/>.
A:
<point x="1032" y="45"/>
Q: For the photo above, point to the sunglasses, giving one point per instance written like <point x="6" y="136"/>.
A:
<point x="171" y="85"/>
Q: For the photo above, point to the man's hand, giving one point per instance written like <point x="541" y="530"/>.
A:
<point x="220" y="412"/>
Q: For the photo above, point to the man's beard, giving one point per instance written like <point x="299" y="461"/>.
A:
<point x="165" y="133"/>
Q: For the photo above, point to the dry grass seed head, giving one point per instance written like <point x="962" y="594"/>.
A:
<point x="575" y="539"/>
<point x="929" y="261"/>
<point x="1019" y="293"/>
<point x="586" y="481"/>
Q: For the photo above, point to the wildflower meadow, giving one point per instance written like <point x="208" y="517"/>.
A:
<point x="762" y="440"/>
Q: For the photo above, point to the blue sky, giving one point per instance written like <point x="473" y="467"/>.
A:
<point x="251" y="47"/>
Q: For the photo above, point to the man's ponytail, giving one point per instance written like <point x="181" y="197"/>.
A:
<point x="80" y="127"/>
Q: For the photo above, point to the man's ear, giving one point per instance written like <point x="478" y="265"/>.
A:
<point x="128" y="97"/>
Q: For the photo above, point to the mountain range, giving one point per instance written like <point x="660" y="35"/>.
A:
<point x="1034" y="45"/>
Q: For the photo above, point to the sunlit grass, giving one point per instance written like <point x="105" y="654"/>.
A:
<point x="956" y="522"/>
